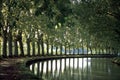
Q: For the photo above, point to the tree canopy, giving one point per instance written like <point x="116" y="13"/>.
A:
<point x="93" y="23"/>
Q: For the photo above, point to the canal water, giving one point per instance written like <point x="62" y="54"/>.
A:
<point x="77" y="69"/>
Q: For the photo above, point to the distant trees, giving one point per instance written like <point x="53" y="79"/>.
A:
<point x="99" y="21"/>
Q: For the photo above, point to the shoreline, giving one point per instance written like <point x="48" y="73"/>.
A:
<point x="17" y="68"/>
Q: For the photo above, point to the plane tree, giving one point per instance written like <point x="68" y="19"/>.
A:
<point x="11" y="13"/>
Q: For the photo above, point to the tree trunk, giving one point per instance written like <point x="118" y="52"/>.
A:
<point x="33" y="48"/>
<point x="78" y="51"/>
<point x="91" y="50"/>
<point x="28" y="47"/>
<point x="15" y="48"/>
<point x="4" y="43"/>
<point x="73" y="50"/>
<point x="65" y="50"/>
<point x="56" y="50"/>
<point x="82" y="47"/>
<point x="106" y="50"/>
<point x="21" y="48"/>
<point x="99" y="50"/>
<point x="0" y="49"/>
<point x="87" y="47"/>
<point x="47" y="47"/>
<point x="109" y="50"/>
<point x="10" y="44"/>
<point x="95" y="50"/>
<point x="42" y="46"/>
<point x="61" y="49"/>
<point x="1" y="27"/>
<point x="19" y="38"/>
<point x="69" y="49"/>
<point x="38" y="45"/>
<point x="102" y="51"/>
<point x="51" y="49"/>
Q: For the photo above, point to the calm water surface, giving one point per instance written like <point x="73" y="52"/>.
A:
<point x="77" y="69"/>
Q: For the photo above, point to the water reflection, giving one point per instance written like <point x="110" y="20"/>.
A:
<point x="75" y="69"/>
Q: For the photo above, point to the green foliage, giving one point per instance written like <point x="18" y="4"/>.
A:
<point x="64" y="21"/>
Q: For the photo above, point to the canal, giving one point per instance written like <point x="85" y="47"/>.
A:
<point x="76" y="69"/>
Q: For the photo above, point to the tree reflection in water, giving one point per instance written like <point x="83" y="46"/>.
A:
<point x="74" y="69"/>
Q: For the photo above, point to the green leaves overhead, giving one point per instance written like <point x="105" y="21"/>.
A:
<point x="55" y="10"/>
<point x="67" y="20"/>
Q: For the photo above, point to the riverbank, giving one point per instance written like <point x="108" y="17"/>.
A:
<point x="15" y="68"/>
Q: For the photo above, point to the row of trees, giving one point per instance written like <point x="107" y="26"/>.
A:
<point x="36" y="27"/>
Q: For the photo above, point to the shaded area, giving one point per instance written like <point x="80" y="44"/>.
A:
<point x="8" y="71"/>
<point x="13" y="69"/>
